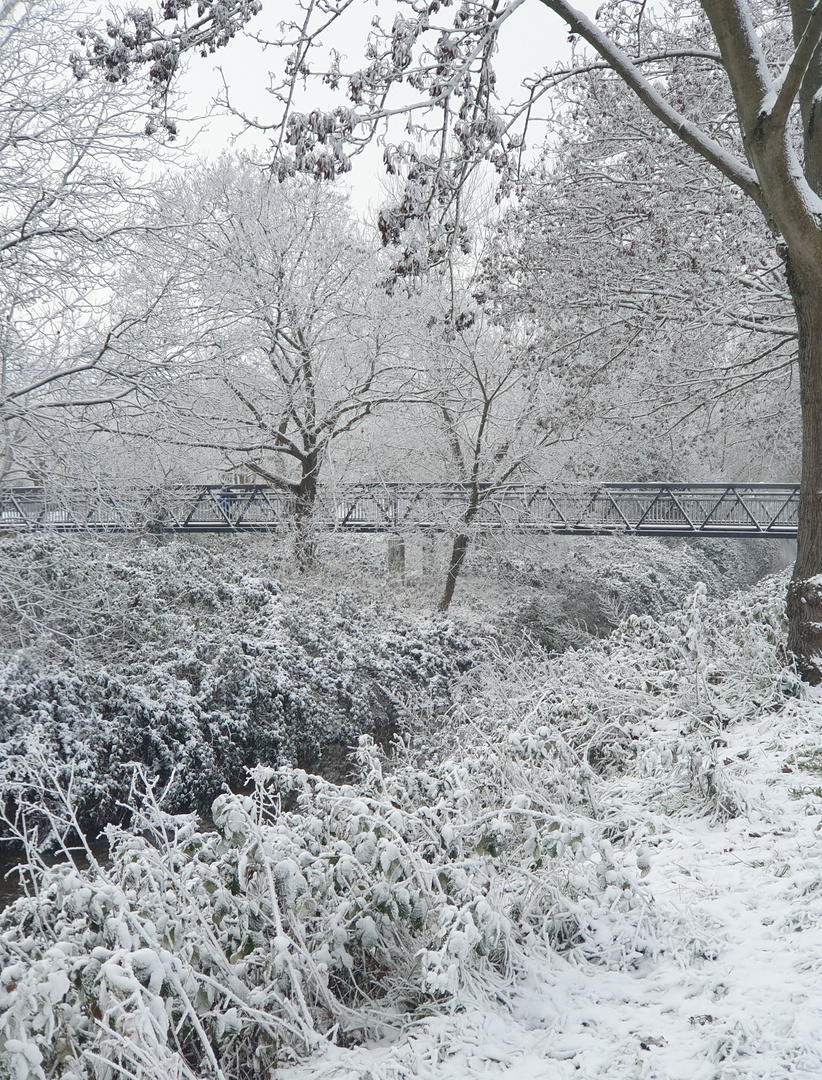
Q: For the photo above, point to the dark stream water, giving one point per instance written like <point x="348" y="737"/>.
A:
<point x="12" y="861"/>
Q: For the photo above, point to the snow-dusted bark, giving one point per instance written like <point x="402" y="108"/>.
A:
<point x="804" y="592"/>
<point x="795" y="210"/>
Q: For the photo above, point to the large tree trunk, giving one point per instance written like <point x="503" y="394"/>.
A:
<point x="805" y="590"/>
<point x="787" y="193"/>
<point x="306" y="540"/>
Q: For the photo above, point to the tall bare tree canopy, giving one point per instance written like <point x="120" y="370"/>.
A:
<point x="767" y="57"/>
<point x="70" y="155"/>
<point x="653" y="293"/>
<point x="277" y="324"/>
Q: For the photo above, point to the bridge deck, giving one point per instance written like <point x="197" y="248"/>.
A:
<point x="752" y="510"/>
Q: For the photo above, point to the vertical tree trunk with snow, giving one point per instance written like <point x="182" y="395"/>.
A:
<point x="304" y="510"/>
<point x="805" y="590"/>
<point x="459" y="550"/>
<point x="792" y="205"/>
<point x="805" y="281"/>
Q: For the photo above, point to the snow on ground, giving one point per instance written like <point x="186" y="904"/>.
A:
<point x="738" y="994"/>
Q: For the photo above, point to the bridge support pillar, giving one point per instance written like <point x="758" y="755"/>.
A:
<point x="396" y="554"/>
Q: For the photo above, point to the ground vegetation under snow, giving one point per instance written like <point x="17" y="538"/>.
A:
<point x="606" y="865"/>
<point x="196" y="664"/>
<point x="198" y="661"/>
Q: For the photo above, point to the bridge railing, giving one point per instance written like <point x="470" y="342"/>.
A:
<point x="647" y="509"/>
<point x="650" y="509"/>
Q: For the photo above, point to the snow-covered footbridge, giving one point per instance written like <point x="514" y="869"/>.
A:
<point x="644" y="509"/>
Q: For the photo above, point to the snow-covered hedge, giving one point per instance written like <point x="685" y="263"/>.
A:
<point x="254" y="940"/>
<point x="314" y="910"/>
<point x="565" y="590"/>
<point x="197" y="666"/>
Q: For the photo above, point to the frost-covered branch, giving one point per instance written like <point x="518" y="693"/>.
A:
<point x="778" y="104"/>
<point x="728" y="164"/>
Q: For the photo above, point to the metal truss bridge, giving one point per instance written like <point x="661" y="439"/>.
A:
<point x="719" y="510"/>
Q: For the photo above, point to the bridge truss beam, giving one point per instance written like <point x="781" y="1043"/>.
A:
<point x="718" y="510"/>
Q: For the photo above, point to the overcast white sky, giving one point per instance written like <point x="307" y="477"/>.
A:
<point x="533" y="38"/>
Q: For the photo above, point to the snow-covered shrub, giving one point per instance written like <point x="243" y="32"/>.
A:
<point x="566" y="590"/>
<point x="308" y="909"/>
<point x="311" y="909"/>
<point x="230" y="948"/>
<point x="199" y="667"/>
<point x="655" y="695"/>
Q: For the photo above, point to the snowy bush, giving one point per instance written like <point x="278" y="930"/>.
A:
<point x="313" y="910"/>
<point x="566" y="590"/>
<point x="656" y="694"/>
<point x="194" y="949"/>
<point x="199" y="668"/>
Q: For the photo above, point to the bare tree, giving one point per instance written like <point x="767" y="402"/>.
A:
<point x="653" y="291"/>
<point x="487" y="414"/>
<point x="287" y="344"/>
<point x="774" y="100"/>
<point x="67" y="221"/>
